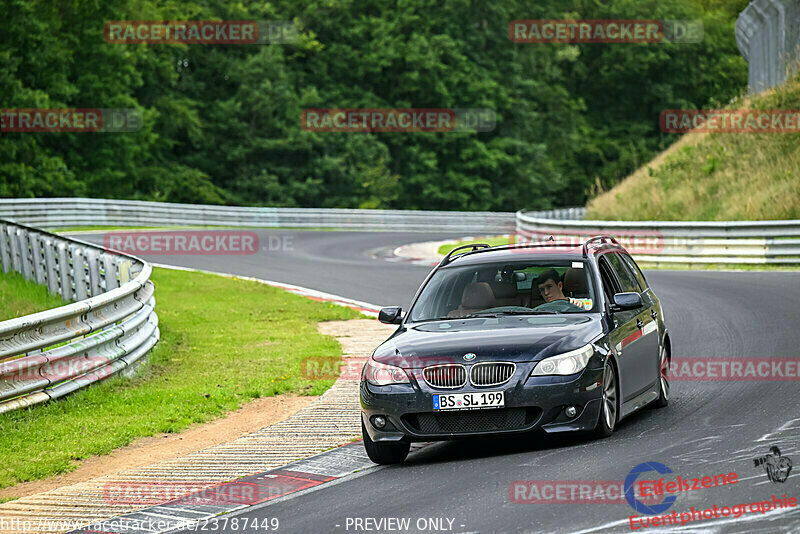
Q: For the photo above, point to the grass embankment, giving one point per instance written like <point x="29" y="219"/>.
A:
<point x="715" y="177"/>
<point x="20" y="297"/>
<point x="223" y="343"/>
<point x="491" y="241"/>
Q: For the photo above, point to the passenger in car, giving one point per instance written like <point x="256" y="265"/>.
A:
<point x="476" y="297"/>
<point x="503" y="287"/>
<point x="575" y="284"/>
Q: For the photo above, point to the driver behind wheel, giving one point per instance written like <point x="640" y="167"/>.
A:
<point x="551" y="288"/>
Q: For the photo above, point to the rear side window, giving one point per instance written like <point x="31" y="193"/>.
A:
<point x="636" y="270"/>
<point x="625" y="276"/>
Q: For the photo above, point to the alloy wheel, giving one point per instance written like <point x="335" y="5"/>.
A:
<point x="609" y="397"/>
<point x="664" y="374"/>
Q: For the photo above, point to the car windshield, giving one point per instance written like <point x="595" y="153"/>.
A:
<point x="494" y="290"/>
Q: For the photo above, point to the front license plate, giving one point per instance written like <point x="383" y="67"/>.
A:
<point x="468" y="401"/>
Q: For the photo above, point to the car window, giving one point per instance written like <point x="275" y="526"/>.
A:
<point x="627" y="280"/>
<point x="505" y="288"/>
<point x="636" y="270"/>
<point x="610" y="285"/>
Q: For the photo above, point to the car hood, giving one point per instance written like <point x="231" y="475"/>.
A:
<point x="512" y="338"/>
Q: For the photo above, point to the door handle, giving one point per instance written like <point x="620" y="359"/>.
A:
<point x="639" y="323"/>
<point x="653" y="314"/>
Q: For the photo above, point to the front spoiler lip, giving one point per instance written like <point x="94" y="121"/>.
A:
<point x="585" y="421"/>
<point x="408" y="435"/>
<point x="546" y="393"/>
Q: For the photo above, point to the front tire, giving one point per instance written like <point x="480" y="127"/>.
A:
<point x="385" y="453"/>
<point x="608" y="404"/>
<point x="663" y="379"/>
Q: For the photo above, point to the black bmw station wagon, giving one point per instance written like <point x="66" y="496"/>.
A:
<point x="505" y="340"/>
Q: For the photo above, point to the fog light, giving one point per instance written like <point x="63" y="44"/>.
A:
<point x="379" y="421"/>
<point x="571" y="411"/>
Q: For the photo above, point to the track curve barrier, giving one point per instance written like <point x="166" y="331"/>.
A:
<point x="53" y="213"/>
<point x="111" y="325"/>
<point x="749" y="242"/>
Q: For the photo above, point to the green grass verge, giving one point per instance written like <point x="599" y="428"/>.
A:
<point x="716" y="177"/>
<point x="20" y="297"/>
<point x="491" y="241"/>
<point x="201" y="369"/>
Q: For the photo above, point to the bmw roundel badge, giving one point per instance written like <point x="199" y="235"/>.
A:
<point x="468" y="357"/>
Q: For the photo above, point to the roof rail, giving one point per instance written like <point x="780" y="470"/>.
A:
<point x="602" y="238"/>
<point x="550" y="243"/>
<point x="546" y="244"/>
<point x="475" y="246"/>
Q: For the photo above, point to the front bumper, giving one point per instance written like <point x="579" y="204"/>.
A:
<point x="530" y="403"/>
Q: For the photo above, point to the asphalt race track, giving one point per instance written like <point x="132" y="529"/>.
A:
<point x="710" y="427"/>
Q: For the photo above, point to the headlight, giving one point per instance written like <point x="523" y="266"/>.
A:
<point x="568" y="363"/>
<point x="380" y="374"/>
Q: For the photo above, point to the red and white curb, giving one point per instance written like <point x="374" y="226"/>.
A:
<point x="193" y="512"/>
<point x="425" y="253"/>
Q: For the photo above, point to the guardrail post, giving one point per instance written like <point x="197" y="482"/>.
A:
<point x="124" y="270"/>
<point x="110" y="271"/>
<point x="50" y="265"/>
<point x="63" y="272"/>
<point x="37" y="257"/>
<point x="5" y="249"/>
<point x="16" y="250"/>
<point x="79" y="272"/>
<point x="92" y="260"/>
<point x="24" y="255"/>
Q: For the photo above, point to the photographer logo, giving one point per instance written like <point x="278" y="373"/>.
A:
<point x="777" y="467"/>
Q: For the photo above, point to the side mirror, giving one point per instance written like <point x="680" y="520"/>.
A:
<point x="627" y="301"/>
<point x="391" y="315"/>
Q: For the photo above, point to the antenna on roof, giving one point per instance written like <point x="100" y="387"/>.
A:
<point x="550" y="238"/>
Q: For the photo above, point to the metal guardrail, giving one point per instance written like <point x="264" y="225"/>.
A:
<point x="53" y="213"/>
<point x="113" y="324"/>
<point x="768" y="36"/>
<point x="756" y="242"/>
